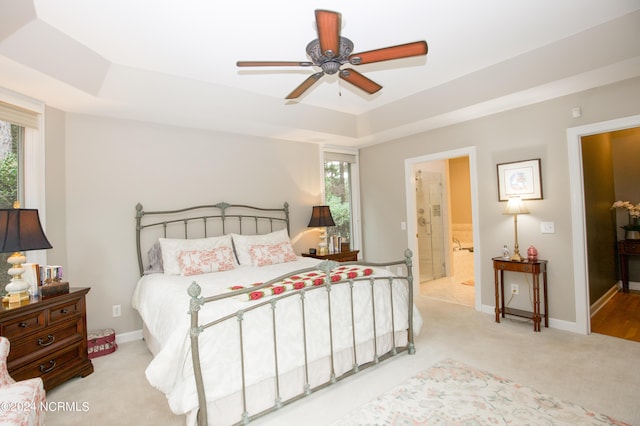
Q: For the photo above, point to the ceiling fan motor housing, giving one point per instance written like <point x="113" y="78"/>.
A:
<point x="330" y="63"/>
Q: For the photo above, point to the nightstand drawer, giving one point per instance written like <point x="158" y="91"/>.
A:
<point x="50" y="365"/>
<point x="64" y="312"/>
<point x="17" y="327"/>
<point x="36" y="345"/>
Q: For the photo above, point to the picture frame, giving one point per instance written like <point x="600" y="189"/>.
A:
<point x="520" y="178"/>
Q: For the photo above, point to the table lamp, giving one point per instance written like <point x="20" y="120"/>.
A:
<point x="515" y="206"/>
<point x="20" y="230"/>
<point x="321" y="217"/>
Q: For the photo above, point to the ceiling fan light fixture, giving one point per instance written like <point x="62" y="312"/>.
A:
<point x="330" y="67"/>
<point x="330" y="51"/>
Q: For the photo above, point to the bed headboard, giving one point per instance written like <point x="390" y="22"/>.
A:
<point x="205" y="221"/>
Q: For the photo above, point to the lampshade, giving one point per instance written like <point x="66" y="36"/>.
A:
<point x="321" y="216"/>
<point x="515" y="206"/>
<point x="20" y="230"/>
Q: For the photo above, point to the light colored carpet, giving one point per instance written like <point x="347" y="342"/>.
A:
<point x="595" y="371"/>
<point x="451" y="392"/>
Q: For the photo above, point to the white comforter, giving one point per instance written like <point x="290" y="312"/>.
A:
<point x="163" y="302"/>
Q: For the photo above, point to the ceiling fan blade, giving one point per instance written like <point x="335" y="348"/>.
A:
<point x="273" y="64"/>
<point x="387" y="53"/>
<point x="359" y="80"/>
<point x="305" y="85"/>
<point x="328" y="24"/>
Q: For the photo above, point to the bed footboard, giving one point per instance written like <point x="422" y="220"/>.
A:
<point x="381" y="312"/>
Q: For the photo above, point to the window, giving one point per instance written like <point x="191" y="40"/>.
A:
<point x="11" y="147"/>
<point x="341" y="195"/>
<point x="21" y="162"/>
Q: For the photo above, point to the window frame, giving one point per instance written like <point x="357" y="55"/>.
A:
<point x="34" y="163"/>
<point x="356" y="223"/>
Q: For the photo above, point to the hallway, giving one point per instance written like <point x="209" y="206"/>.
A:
<point x="620" y="317"/>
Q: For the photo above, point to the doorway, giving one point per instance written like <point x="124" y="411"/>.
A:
<point x="430" y="228"/>
<point x="579" y="243"/>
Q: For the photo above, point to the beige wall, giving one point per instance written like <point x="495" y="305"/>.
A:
<point x="104" y="167"/>
<point x="55" y="193"/>
<point x="536" y="131"/>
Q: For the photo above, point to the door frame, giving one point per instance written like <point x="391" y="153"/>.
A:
<point x="412" y="218"/>
<point x="578" y="222"/>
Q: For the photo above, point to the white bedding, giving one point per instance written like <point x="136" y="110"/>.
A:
<point x="163" y="302"/>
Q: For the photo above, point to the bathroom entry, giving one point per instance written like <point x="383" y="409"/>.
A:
<point x="444" y="229"/>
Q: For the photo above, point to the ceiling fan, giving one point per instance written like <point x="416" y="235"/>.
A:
<point x="330" y="52"/>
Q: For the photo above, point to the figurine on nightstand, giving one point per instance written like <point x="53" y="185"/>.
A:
<point x="532" y="253"/>
<point x="505" y="252"/>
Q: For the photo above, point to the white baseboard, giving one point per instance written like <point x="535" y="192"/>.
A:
<point x="598" y="304"/>
<point x="553" y="323"/>
<point x="129" y="337"/>
<point x="632" y="285"/>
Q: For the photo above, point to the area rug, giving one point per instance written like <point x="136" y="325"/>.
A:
<point x="452" y="393"/>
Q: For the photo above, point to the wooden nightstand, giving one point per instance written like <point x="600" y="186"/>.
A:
<point x="48" y="338"/>
<point x="343" y="256"/>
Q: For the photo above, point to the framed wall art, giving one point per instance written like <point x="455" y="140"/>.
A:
<point x="521" y="178"/>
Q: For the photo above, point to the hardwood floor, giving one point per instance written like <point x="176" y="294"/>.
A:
<point x="620" y="317"/>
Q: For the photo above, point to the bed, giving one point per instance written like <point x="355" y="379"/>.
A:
<point x="240" y="326"/>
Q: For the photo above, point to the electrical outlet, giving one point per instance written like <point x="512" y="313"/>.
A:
<point x="515" y="289"/>
<point x="116" y="310"/>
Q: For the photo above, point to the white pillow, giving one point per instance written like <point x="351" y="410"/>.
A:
<point x="244" y="244"/>
<point x="171" y="248"/>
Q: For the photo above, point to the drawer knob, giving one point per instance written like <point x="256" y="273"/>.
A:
<point x="44" y="369"/>
<point x="64" y="311"/>
<point x="50" y="339"/>
<point x="23" y="325"/>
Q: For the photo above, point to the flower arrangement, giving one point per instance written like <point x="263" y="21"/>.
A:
<point x="633" y="210"/>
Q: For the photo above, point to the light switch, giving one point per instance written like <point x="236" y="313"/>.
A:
<point x="403" y="226"/>
<point x="548" y="227"/>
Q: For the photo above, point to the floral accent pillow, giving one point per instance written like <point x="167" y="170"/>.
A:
<point x="171" y="248"/>
<point x="271" y="254"/>
<point x="196" y="262"/>
<point x="243" y="243"/>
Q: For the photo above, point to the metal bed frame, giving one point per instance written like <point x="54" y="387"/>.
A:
<point x="223" y="212"/>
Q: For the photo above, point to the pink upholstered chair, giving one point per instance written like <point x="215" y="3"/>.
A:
<point x="20" y="402"/>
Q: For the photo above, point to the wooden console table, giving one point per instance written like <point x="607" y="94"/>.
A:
<point x="627" y="248"/>
<point x="535" y="268"/>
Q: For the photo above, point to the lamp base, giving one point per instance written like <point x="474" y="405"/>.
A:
<point x="19" y="297"/>
<point x="516" y="257"/>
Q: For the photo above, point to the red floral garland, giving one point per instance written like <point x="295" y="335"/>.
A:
<point x="297" y="282"/>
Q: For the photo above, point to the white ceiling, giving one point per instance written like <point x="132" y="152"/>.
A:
<point x="174" y="61"/>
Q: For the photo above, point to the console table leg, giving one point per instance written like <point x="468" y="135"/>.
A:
<point x="495" y="273"/>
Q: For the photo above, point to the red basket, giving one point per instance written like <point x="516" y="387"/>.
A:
<point x="101" y="342"/>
